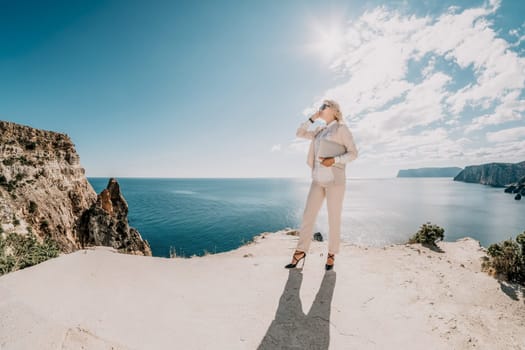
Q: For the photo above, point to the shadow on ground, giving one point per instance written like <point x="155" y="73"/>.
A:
<point x="513" y="290"/>
<point x="291" y="328"/>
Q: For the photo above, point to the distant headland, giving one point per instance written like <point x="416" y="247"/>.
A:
<point x="494" y="174"/>
<point x="429" y="172"/>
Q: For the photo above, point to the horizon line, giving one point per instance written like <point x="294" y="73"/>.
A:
<point x="268" y="177"/>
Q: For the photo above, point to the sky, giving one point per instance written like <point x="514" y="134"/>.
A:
<point x="205" y="89"/>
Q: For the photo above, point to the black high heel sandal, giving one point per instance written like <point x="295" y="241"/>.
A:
<point x="329" y="267"/>
<point x="297" y="253"/>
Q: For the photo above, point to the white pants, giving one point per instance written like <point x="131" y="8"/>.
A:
<point x="334" y="194"/>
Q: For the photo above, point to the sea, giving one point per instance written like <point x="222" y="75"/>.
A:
<point x="196" y="216"/>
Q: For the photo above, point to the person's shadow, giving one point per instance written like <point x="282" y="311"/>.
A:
<point x="291" y="328"/>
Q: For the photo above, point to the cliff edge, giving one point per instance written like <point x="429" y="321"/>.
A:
<point x="43" y="190"/>
<point x="395" y="297"/>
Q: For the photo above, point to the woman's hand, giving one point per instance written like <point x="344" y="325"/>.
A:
<point x="316" y="115"/>
<point x="329" y="161"/>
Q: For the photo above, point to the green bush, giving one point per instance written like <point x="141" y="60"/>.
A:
<point x="9" y="185"/>
<point x="18" y="251"/>
<point x="428" y="234"/>
<point x="507" y="259"/>
<point x="24" y="161"/>
<point x="30" y="145"/>
<point x="8" y="161"/>
<point x="32" y="207"/>
<point x="20" y="176"/>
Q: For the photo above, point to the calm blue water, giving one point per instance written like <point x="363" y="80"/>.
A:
<point x="216" y="215"/>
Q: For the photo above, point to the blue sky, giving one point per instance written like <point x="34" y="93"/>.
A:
<point x="218" y="88"/>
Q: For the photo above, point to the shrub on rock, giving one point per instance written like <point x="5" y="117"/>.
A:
<point x="428" y="234"/>
<point x="507" y="259"/>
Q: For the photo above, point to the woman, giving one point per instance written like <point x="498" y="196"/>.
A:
<point x="328" y="178"/>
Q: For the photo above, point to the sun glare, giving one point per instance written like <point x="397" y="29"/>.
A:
<point x="327" y="39"/>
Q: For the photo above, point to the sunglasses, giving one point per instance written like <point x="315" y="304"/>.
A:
<point x="324" y="106"/>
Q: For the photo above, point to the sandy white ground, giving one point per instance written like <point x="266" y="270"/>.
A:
<point x="397" y="297"/>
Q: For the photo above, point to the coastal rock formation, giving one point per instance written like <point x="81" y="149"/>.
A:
<point x="43" y="188"/>
<point x="494" y="174"/>
<point x="106" y="223"/>
<point x="429" y="172"/>
<point x="518" y="188"/>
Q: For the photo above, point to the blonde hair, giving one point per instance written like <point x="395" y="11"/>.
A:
<point x="337" y="110"/>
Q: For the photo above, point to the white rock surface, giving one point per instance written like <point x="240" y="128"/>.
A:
<point x="396" y="297"/>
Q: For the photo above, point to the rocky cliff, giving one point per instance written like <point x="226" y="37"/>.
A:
<point x="494" y="174"/>
<point x="517" y="188"/>
<point x="43" y="189"/>
<point x="106" y="223"/>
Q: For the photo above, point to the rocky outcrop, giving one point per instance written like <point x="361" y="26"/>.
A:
<point x="106" y="223"/>
<point x="494" y="174"/>
<point x="429" y="172"/>
<point x="517" y="188"/>
<point x="43" y="188"/>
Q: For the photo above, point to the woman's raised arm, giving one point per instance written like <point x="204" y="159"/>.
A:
<point x="303" y="131"/>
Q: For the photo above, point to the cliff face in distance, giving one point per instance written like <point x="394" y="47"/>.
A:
<point x="429" y="172"/>
<point x="43" y="189"/>
<point x="494" y="174"/>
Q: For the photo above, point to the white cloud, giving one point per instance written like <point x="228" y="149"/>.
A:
<point x="510" y="109"/>
<point x="506" y="135"/>
<point x="402" y="114"/>
<point x="511" y="152"/>
<point x="517" y="33"/>
<point x="422" y="106"/>
<point x="276" y="148"/>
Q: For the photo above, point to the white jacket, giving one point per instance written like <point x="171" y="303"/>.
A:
<point x="340" y="134"/>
